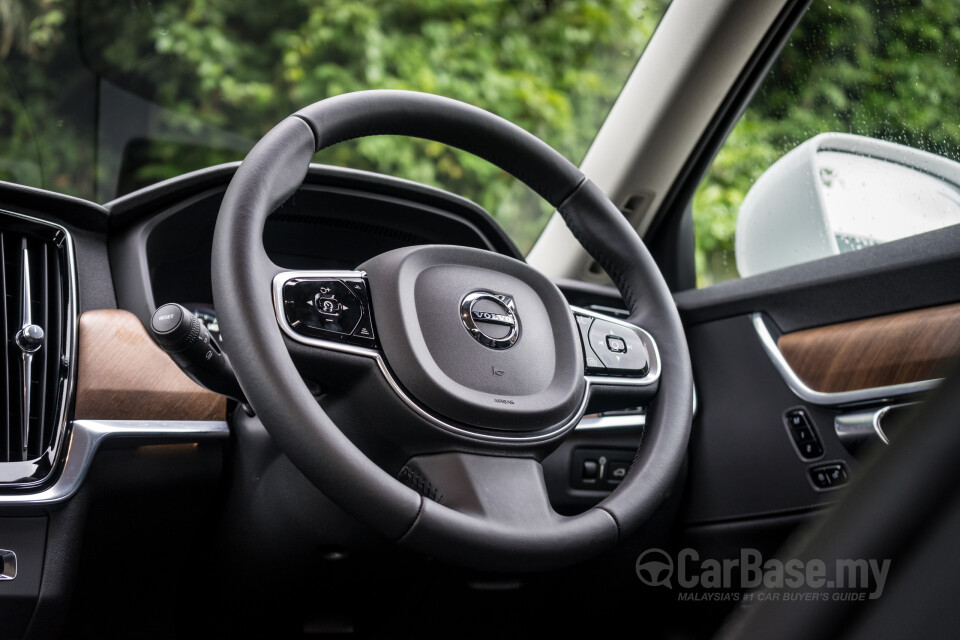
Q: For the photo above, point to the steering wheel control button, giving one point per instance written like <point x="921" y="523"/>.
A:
<point x="491" y="319"/>
<point x="330" y="309"/>
<point x="616" y="344"/>
<point x="804" y="435"/>
<point x="364" y="330"/>
<point x="619" y="348"/>
<point x="829" y="476"/>
<point x="328" y="305"/>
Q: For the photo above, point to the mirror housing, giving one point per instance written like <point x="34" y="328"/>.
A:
<point x="840" y="192"/>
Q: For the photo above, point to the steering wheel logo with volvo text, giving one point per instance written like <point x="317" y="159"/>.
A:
<point x="491" y="319"/>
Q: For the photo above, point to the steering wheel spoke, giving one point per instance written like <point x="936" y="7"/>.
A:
<point x="508" y="491"/>
<point x="500" y="511"/>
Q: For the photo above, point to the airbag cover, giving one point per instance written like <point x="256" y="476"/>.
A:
<point x="418" y="298"/>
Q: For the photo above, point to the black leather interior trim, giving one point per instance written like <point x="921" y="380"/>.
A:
<point x="912" y="273"/>
<point x="272" y="171"/>
<point x="618" y="249"/>
<point x="370" y="113"/>
<point x="497" y="510"/>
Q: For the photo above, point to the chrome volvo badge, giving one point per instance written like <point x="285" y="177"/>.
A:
<point x="491" y="319"/>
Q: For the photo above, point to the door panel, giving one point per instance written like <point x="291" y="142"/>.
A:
<point x="744" y="462"/>
<point x="856" y="333"/>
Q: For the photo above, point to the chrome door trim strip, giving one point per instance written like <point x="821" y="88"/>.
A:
<point x="86" y="437"/>
<point x="830" y="399"/>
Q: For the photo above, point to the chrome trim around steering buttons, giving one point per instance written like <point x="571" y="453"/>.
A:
<point x="86" y="437"/>
<point x="282" y="278"/>
<point x="653" y="353"/>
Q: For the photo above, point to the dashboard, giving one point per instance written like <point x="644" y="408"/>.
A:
<point x="338" y="219"/>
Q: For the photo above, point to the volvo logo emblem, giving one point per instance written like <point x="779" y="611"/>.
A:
<point x="491" y="319"/>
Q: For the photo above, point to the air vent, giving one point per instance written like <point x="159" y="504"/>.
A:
<point x="38" y="326"/>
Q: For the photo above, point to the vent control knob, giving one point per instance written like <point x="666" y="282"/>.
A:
<point x="30" y="338"/>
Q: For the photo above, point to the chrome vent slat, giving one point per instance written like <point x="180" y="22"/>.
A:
<point x="26" y="358"/>
<point x="43" y="360"/>
<point x="5" y="441"/>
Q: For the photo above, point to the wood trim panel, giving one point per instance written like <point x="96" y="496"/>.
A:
<point x="875" y="352"/>
<point x="123" y="375"/>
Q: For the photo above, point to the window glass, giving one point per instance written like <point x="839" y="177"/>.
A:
<point x="851" y="140"/>
<point x="102" y="97"/>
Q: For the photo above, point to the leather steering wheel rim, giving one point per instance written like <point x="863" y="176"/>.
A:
<point x="272" y="172"/>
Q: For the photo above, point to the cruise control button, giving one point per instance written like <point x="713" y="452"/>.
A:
<point x="364" y="328"/>
<point x="328" y="306"/>
<point x="618" y="347"/>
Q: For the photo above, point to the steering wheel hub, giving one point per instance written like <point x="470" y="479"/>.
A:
<point x="534" y="383"/>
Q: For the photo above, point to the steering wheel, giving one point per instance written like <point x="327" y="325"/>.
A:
<point x="440" y="376"/>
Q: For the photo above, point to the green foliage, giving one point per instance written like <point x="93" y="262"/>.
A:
<point x="875" y="68"/>
<point x="553" y="67"/>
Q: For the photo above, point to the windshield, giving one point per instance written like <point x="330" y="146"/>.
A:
<point x="103" y="97"/>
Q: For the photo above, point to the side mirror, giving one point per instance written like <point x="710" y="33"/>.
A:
<point x="839" y="192"/>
